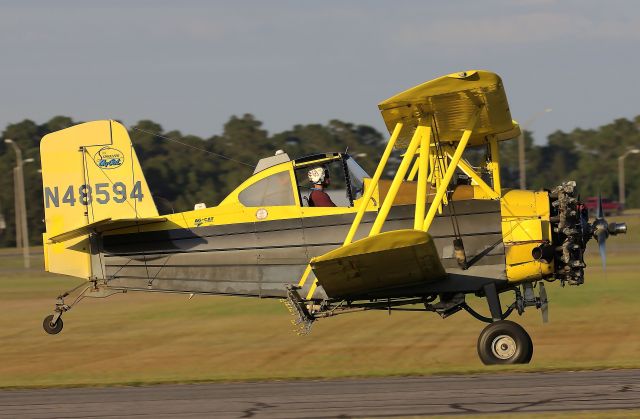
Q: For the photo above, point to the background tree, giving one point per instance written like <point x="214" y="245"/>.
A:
<point x="180" y="175"/>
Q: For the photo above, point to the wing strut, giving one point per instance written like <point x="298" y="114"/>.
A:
<point x="368" y="193"/>
<point x="448" y="175"/>
<point x="400" y="257"/>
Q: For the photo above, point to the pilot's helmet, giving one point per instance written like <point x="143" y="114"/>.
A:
<point x="317" y="175"/>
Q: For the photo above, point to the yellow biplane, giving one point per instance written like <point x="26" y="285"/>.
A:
<point x="440" y="229"/>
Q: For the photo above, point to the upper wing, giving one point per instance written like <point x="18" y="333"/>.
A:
<point x="451" y="100"/>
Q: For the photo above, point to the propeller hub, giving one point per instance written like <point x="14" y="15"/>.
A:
<point x="600" y="229"/>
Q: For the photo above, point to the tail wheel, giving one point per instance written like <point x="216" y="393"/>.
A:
<point x="52" y="328"/>
<point x="504" y="342"/>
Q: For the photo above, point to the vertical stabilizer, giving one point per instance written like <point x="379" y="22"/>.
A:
<point x="90" y="173"/>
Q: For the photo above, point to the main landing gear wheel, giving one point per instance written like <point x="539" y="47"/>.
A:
<point x="504" y="342"/>
<point x="52" y="328"/>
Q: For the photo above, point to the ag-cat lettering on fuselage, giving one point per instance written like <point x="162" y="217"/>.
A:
<point x="100" y="193"/>
<point x="200" y="221"/>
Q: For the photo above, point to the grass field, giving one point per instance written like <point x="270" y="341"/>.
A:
<point x="591" y="414"/>
<point x="143" y="338"/>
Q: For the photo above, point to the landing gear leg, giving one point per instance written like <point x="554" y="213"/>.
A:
<point x="493" y="300"/>
<point x="53" y="324"/>
<point x="502" y="341"/>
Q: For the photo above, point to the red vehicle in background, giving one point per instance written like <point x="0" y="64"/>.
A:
<point x="609" y="207"/>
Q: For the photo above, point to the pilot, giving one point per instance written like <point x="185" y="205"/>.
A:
<point x="319" y="178"/>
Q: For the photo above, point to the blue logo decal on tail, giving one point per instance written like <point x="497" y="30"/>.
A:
<point x="109" y="158"/>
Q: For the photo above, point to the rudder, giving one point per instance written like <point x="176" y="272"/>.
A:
<point x="90" y="173"/>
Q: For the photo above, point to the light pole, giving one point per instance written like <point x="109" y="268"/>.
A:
<point x="18" y="204"/>
<point x="621" y="194"/>
<point x="21" y="207"/>
<point x="522" y="169"/>
<point x="18" y="209"/>
<point x="3" y="223"/>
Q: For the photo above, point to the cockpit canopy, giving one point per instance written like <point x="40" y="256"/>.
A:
<point x="280" y="181"/>
<point x="347" y="176"/>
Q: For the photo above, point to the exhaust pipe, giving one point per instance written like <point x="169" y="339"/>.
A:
<point x="543" y="253"/>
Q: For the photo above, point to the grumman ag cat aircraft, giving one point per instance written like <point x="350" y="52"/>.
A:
<point x="439" y="230"/>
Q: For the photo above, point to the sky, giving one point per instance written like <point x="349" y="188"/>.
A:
<point x="190" y="65"/>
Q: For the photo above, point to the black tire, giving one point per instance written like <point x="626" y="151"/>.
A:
<point x="530" y="354"/>
<point x="504" y="342"/>
<point x="52" y="328"/>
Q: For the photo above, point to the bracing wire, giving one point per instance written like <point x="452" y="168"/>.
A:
<point x="192" y="146"/>
<point x="439" y="152"/>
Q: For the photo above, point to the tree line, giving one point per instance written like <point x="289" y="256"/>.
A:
<point x="179" y="176"/>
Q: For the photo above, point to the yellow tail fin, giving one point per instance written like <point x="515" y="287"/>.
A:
<point x="90" y="173"/>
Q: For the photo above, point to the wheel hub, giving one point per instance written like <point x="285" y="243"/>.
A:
<point x="503" y="347"/>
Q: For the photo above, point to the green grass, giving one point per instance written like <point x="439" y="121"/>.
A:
<point x="139" y="338"/>
<point x="591" y="414"/>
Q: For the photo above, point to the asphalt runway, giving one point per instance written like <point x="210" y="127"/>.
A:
<point x="381" y="397"/>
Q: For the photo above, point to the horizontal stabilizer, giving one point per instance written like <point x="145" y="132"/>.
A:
<point x="103" y="225"/>
<point x="388" y="260"/>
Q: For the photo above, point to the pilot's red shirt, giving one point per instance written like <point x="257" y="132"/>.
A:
<point x="319" y="198"/>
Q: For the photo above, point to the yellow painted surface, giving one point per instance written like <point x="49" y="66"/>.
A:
<point x="485" y="191"/>
<point x="525" y="225"/>
<point x="90" y="173"/>
<point x="519" y="203"/>
<point x="480" y="192"/>
<point x="468" y="108"/>
<point x="494" y="164"/>
<point x="423" y="166"/>
<point x="452" y="99"/>
<point x="365" y="264"/>
<point x="71" y="159"/>
<point x="528" y="271"/>
<point x="371" y="185"/>
<point x="70" y="257"/>
<point x="406" y="194"/>
<point x="304" y="276"/>
<point x="232" y="211"/>
<point x="446" y="178"/>
<point x="397" y="182"/>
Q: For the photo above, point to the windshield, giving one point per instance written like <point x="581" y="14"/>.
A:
<point x="356" y="177"/>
